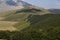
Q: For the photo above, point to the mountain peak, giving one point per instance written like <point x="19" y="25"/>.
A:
<point x="13" y="4"/>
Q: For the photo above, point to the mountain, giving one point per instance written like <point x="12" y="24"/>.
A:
<point x="55" y="11"/>
<point x="12" y="4"/>
<point x="17" y="3"/>
<point x="10" y="18"/>
<point x="18" y="15"/>
<point x="33" y="26"/>
<point x="29" y="24"/>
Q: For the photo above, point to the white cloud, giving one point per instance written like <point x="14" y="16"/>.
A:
<point x="15" y="0"/>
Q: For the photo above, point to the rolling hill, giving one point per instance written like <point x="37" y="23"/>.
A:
<point x="32" y="24"/>
<point x="45" y="27"/>
<point x="28" y="22"/>
<point x="20" y="17"/>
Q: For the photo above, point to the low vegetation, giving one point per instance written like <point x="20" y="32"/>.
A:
<point x="33" y="27"/>
<point x="46" y="27"/>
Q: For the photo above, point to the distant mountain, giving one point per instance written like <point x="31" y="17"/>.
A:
<point x="55" y="11"/>
<point x="12" y="4"/>
<point x="17" y="3"/>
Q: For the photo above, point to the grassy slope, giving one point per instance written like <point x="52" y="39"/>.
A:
<point x="31" y="19"/>
<point x="4" y="14"/>
<point x="48" y="20"/>
<point x="41" y="27"/>
<point x="6" y="25"/>
<point x="36" y="27"/>
<point x="16" y="17"/>
<point x="22" y="17"/>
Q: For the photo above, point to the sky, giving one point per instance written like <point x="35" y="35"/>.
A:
<point x="48" y="4"/>
<point x="45" y="3"/>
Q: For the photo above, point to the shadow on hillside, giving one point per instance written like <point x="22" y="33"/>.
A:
<point x="34" y="19"/>
<point x="17" y="15"/>
<point x="28" y="10"/>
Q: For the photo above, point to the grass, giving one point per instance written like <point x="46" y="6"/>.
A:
<point x="7" y="25"/>
<point x="32" y="26"/>
<point x="4" y="14"/>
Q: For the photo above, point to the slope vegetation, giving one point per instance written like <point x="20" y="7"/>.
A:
<point x="34" y="26"/>
<point x="6" y="25"/>
<point x="45" y="27"/>
<point x="22" y="16"/>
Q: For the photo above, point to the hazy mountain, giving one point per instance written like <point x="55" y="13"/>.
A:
<point x="12" y="4"/>
<point x="17" y="3"/>
<point x="55" y="11"/>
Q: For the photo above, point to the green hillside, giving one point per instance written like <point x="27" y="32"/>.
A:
<point x="33" y="26"/>
<point x="22" y="16"/>
<point x="45" y="27"/>
<point x="4" y="14"/>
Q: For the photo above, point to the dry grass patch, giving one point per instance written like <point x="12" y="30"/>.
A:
<point x="7" y="25"/>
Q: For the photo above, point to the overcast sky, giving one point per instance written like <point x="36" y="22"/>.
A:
<point x="45" y="3"/>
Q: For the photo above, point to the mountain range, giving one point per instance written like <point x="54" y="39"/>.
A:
<point x="55" y="11"/>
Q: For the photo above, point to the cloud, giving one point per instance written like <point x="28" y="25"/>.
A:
<point x="15" y="0"/>
<point x="2" y="0"/>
